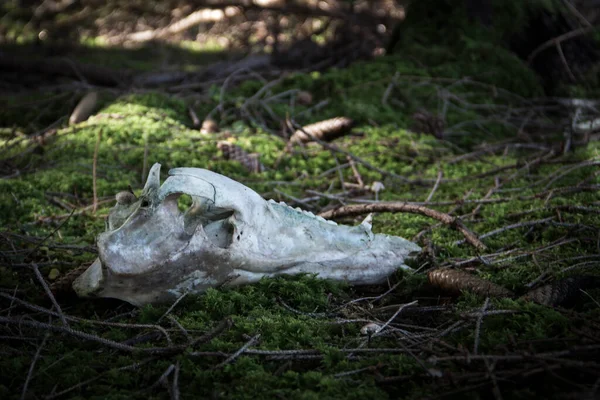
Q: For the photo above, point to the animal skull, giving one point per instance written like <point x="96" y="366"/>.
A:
<point x="152" y="252"/>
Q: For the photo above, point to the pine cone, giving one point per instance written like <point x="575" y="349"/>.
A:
<point x="232" y="152"/>
<point x="324" y="130"/>
<point x="563" y="292"/>
<point x="454" y="281"/>
<point x="426" y="122"/>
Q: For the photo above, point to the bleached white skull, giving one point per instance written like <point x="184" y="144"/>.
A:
<point x="152" y="252"/>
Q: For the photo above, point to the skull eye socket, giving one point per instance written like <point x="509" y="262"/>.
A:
<point x="200" y="211"/>
<point x="184" y="202"/>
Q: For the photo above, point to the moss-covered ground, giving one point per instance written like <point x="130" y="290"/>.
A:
<point x="486" y="169"/>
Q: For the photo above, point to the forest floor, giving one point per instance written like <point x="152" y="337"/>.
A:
<point x="517" y="316"/>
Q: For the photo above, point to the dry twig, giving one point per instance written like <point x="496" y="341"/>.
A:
<point x="94" y="170"/>
<point x="358" y="209"/>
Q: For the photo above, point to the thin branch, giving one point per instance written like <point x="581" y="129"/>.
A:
<point x="37" y="246"/>
<point x="239" y="352"/>
<point x="94" y="169"/>
<point x="453" y="222"/>
<point x="578" y="14"/>
<point x="509" y="227"/>
<point x="172" y="306"/>
<point x="175" y="385"/>
<point x="478" y="324"/>
<point x="552" y="42"/>
<point x="565" y="63"/>
<point x="402" y="307"/>
<point x="162" y="379"/>
<point x="32" y="366"/>
<point x="133" y="366"/>
<point x="40" y="278"/>
<point x="37" y="308"/>
<point x="435" y="186"/>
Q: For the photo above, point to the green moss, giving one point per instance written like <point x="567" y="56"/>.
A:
<point x="529" y="322"/>
<point x="153" y="127"/>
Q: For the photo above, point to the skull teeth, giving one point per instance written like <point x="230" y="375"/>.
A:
<point x="307" y="213"/>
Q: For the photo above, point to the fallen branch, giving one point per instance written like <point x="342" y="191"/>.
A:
<point x="196" y="18"/>
<point x="239" y="352"/>
<point x="513" y="226"/>
<point x="453" y="222"/>
<point x="357" y="17"/>
<point x="40" y="278"/>
<point x="94" y="169"/>
<point x="557" y="40"/>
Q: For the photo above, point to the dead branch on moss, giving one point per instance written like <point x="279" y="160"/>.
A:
<point x="541" y="195"/>
<point x="453" y="222"/>
<point x="32" y="366"/>
<point x="83" y="211"/>
<point x="555" y="209"/>
<point x="162" y="379"/>
<point x="36" y="308"/>
<point x="39" y="244"/>
<point x="511" y="255"/>
<point x="385" y="325"/>
<point x="169" y="350"/>
<point x="239" y="352"/>
<point x="195" y="18"/>
<point x="94" y="168"/>
<point x="513" y="226"/>
<point x="79" y="334"/>
<point x="133" y="366"/>
<point x="308" y="314"/>
<point x="557" y="41"/>
<point x="41" y="280"/>
<point x="481" y="313"/>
